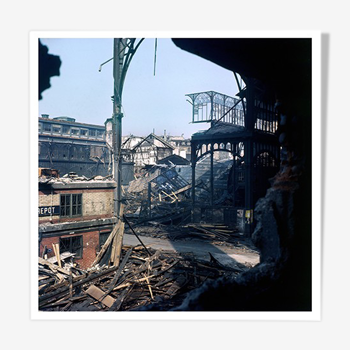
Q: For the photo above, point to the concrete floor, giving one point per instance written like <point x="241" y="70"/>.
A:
<point x="226" y="255"/>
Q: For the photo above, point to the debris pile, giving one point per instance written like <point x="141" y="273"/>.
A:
<point x="125" y="278"/>
<point x="161" y="195"/>
<point x="143" y="277"/>
<point x="49" y="176"/>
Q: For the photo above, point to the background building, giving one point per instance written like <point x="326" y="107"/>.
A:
<point x="69" y="146"/>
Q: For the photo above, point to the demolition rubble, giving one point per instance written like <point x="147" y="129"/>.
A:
<point x="126" y="277"/>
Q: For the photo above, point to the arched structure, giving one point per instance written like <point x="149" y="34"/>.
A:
<point x="246" y="128"/>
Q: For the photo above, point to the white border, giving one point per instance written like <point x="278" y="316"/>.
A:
<point x="315" y="315"/>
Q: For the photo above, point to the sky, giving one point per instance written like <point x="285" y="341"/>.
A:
<point x="149" y="102"/>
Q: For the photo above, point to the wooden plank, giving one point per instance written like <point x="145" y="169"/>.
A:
<point x="58" y="255"/>
<point x="119" y="271"/>
<point x="99" y="295"/>
<point x="49" y="297"/>
<point x="119" y="301"/>
<point x="126" y="284"/>
<point x="43" y="278"/>
<point x="106" y="245"/>
<point x="147" y="279"/>
<point x="117" y="245"/>
<point x="178" y="284"/>
<point x="63" y="256"/>
<point x="53" y="266"/>
<point x="183" y="189"/>
<point x="56" y="249"/>
<point x="71" y="284"/>
<point x="149" y="287"/>
<point x="176" y="197"/>
<point x="168" y="195"/>
<point x="117" y="241"/>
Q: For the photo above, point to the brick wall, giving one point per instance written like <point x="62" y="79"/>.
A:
<point x="90" y="246"/>
<point x="97" y="203"/>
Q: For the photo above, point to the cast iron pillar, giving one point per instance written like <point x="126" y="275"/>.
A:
<point x="248" y="160"/>
<point x="117" y="123"/>
<point x="211" y="177"/>
<point x="193" y="165"/>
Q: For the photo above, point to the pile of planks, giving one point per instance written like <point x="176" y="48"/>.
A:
<point x="215" y="232"/>
<point x="144" y="277"/>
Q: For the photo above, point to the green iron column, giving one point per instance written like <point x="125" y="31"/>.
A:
<point x="117" y="124"/>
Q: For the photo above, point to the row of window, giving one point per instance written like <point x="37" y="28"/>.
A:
<point x="67" y="130"/>
<point x="180" y="143"/>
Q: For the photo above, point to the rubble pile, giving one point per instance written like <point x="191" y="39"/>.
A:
<point x="161" y="195"/>
<point x="51" y="176"/>
<point x="144" y="277"/>
<point x="126" y="278"/>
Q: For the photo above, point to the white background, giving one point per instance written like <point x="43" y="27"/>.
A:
<point x="18" y="19"/>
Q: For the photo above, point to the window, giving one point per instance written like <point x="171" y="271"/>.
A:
<point x="99" y="134"/>
<point x="83" y="132"/>
<point x="56" y="129"/>
<point x="73" y="245"/>
<point x="46" y="127"/>
<point x="71" y="205"/>
<point x="103" y="238"/>
<point x="65" y="129"/>
<point x="92" y="132"/>
<point x="74" y="131"/>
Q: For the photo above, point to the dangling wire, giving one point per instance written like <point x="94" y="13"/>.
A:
<point x="155" y="56"/>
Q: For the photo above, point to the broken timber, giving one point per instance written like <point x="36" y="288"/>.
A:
<point x="138" y="281"/>
<point x="117" y="241"/>
<point x="99" y="295"/>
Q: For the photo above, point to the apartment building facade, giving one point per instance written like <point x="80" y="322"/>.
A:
<point x="69" y="146"/>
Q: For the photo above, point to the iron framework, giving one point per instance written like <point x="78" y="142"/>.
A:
<point x="246" y="127"/>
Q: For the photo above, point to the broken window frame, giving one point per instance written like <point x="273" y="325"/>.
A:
<point x="71" y="205"/>
<point x="73" y="244"/>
